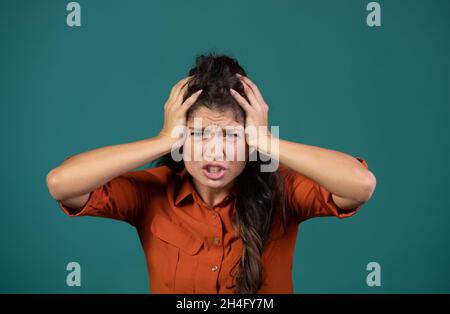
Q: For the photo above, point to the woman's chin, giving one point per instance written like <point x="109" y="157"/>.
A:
<point x="215" y="184"/>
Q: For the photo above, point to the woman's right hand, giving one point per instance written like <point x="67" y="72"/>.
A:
<point x="175" y="112"/>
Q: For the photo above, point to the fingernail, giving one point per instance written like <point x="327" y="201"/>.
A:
<point x="199" y="91"/>
<point x="232" y="90"/>
<point x="238" y="75"/>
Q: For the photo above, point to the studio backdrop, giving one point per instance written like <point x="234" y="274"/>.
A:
<point x="370" y="79"/>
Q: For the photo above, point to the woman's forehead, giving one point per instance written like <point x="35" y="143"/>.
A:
<point x="207" y="117"/>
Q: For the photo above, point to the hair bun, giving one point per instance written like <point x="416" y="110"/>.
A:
<point x="215" y="74"/>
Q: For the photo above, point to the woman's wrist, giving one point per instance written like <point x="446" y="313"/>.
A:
<point x="266" y="142"/>
<point x="165" y="141"/>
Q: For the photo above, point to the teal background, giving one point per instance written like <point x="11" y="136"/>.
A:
<point x="329" y="79"/>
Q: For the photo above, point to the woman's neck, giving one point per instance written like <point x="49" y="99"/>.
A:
<point x="212" y="196"/>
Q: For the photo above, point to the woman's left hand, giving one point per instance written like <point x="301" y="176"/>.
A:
<point x="256" y="122"/>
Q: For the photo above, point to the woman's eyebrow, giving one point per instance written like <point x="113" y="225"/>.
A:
<point x="228" y="128"/>
<point x="224" y="128"/>
<point x="196" y="129"/>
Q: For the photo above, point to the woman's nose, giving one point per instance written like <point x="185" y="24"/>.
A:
<point x="214" y="148"/>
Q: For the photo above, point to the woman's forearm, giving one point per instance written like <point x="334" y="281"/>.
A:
<point x="341" y="174"/>
<point x="82" y="173"/>
<point x="86" y="171"/>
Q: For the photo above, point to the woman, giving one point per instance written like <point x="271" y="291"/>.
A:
<point x="211" y="222"/>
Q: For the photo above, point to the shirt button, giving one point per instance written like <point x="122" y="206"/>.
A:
<point x="214" y="214"/>
<point x="214" y="268"/>
<point x="216" y="241"/>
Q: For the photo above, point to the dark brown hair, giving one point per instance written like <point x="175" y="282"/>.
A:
<point x="260" y="194"/>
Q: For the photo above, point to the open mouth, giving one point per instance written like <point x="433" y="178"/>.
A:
<point x="214" y="171"/>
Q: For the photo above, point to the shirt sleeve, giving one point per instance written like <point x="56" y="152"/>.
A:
<point x="122" y="198"/>
<point x="308" y="199"/>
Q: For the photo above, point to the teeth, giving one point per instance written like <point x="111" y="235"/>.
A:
<point x="213" y="169"/>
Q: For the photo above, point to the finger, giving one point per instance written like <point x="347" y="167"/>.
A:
<point x="253" y="86"/>
<point x="241" y="101"/>
<point x="183" y="86"/>
<point x="176" y="88"/>
<point x="179" y="100"/>
<point x="251" y="96"/>
<point x="175" y="92"/>
<point x="191" y="100"/>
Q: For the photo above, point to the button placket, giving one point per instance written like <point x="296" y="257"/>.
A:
<point x="216" y="238"/>
<point x="216" y="249"/>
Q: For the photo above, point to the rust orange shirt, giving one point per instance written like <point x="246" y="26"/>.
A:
<point x="193" y="248"/>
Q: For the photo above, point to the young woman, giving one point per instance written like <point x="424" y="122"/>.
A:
<point x="213" y="222"/>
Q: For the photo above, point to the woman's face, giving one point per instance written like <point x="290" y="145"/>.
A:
<point x="215" y="151"/>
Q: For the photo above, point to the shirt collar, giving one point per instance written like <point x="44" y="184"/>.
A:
<point x="187" y="189"/>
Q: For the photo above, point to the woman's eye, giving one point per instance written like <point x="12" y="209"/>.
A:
<point x="232" y="136"/>
<point x="196" y="134"/>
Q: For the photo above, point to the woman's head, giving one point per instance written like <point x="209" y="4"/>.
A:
<point x="216" y="156"/>
<point x="215" y="151"/>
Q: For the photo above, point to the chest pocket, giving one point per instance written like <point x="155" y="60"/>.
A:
<point x="176" y="254"/>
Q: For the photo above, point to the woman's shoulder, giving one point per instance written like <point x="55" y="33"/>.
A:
<point x="160" y="175"/>
<point x="285" y="170"/>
